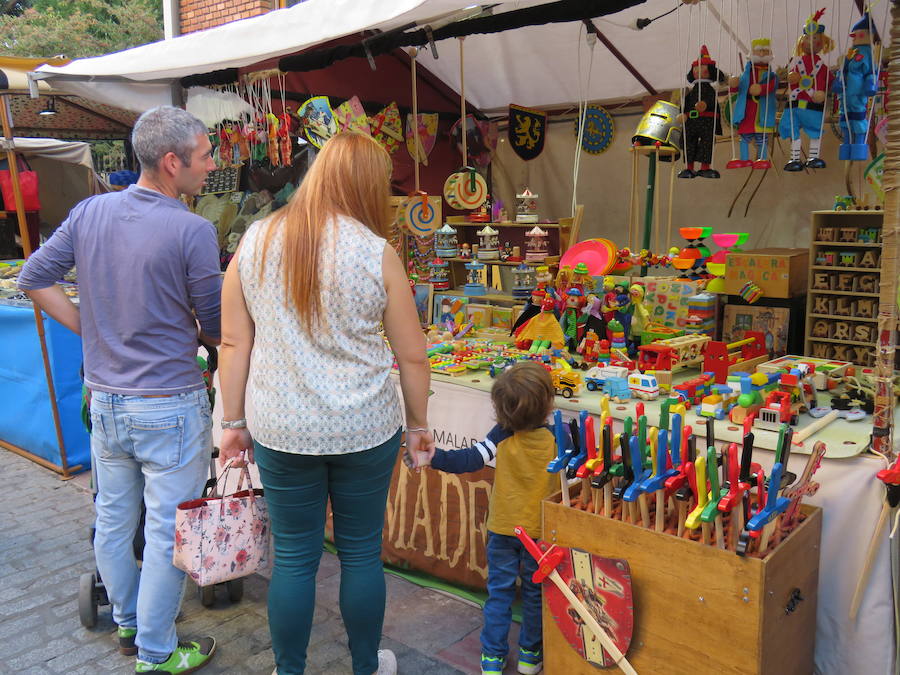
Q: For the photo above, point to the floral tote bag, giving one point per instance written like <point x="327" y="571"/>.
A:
<point x="222" y="538"/>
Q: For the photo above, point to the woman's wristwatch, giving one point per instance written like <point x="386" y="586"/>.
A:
<point x="235" y="424"/>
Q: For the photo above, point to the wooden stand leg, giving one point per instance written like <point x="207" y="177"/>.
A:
<point x="660" y="510"/>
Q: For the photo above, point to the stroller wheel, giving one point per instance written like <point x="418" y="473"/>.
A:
<point x="87" y="600"/>
<point x="235" y="589"/>
<point x="207" y="595"/>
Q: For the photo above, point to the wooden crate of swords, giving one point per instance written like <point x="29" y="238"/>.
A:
<point x="697" y="608"/>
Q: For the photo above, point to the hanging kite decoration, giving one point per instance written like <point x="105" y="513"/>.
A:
<point x="527" y="130"/>
<point x="855" y="84"/>
<point x="700" y="116"/>
<point x="387" y="128"/>
<point x="350" y="116"/>
<point x="317" y="120"/>
<point x="598" y="130"/>
<point x="754" y="107"/>
<point x="420" y="141"/>
<point x="808" y="82"/>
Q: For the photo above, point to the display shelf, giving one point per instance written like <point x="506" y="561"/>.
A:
<point x="563" y="223"/>
<point x="504" y="263"/>
<point x="848" y="243"/>
<point x="825" y="331"/>
<point x="838" y="268"/>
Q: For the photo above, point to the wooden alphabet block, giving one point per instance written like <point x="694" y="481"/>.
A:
<point x="863" y="355"/>
<point x="841" y="352"/>
<point x="865" y="308"/>
<point x="844" y="282"/>
<point x="841" y="330"/>
<point x="862" y="332"/>
<point x="821" y="328"/>
<point x="849" y="258"/>
<point x="868" y="235"/>
<point x="820" y="350"/>
<point x="821" y="281"/>
<point x="828" y="258"/>
<point x="822" y="304"/>
<point x="826" y="234"/>
<point x="867" y="283"/>
<point x="842" y="307"/>
<point x="869" y="260"/>
<point x="848" y="234"/>
<point x="820" y="258"/>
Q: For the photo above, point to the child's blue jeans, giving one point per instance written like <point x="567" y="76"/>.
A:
<point x="508" y="560"/>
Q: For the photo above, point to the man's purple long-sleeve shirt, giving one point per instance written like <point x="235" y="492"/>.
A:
<point x="146" y="266"/>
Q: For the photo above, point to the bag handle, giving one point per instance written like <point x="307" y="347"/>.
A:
<point x="244" y="473"/>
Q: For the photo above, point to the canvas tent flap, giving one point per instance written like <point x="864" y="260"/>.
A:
<point x="537" y="66"/>
<point x="60" y="151"/>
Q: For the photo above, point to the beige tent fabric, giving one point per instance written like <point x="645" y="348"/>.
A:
<point x="778" y="216"/>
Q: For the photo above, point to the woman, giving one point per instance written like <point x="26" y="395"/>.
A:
<point x="302" y="306"/>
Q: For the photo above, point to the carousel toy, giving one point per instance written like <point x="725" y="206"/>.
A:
<point x="855" y="83"/>
<point x="526" y="207"/>
<point x="808" y="81"/>
<point x="523" y="281"/>
<point x="488" y="243"/>
<point x="537" y="245"/>
<point x="440" y="276"/>
<point x="445" y="242"/>
<point x="700" y="116"/>
<point x="753" y="111"/>
<point x="474" y="286"/>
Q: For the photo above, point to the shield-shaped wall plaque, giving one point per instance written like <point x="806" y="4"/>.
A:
<point x="527" y="130"/>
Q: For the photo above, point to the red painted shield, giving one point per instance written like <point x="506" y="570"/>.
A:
<point x="604" y="586"/>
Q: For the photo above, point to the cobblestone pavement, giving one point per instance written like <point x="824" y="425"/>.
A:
<point x="44" y="549"/>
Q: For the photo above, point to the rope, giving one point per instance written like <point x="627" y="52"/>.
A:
<point x="462" y="102"/>
<point x="415" y="115"/>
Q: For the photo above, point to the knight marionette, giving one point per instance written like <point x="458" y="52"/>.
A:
<point x="808" y="82"/>
<point x="754" y="107"/>
<point x="855" y="83"/>
<point x="700" y="116"/>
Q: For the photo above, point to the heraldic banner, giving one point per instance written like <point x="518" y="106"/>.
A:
<point x="527" y="130"/>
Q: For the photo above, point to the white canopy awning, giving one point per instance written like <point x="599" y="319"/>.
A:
<point x="549" y="65"/>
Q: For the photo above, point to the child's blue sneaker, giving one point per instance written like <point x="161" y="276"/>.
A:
<point x="492" y="665"/>
<point x="530" y="663"/>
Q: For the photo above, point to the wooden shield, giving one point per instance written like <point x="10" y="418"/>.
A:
<point x="604" y="587"/>
<point x="423" y="137"/>
<point x="527" y="130"/>
<point x="350" y="116"/>
<point x="317" y="120"/>
<point x="387" y="129"/>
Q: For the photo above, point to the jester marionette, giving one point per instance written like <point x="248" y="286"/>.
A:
<point x="754" y="108"/>
<point x="855" y="83"/>
<point x="808" y="85"/>
<point x="700" y="116"/>
<point x="572" y="320"/>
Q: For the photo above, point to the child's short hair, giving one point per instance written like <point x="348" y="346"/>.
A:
<point x="523" y="396"/>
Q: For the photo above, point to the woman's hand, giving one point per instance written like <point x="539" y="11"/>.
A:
<point x="419" y="449"/>
<point x="235" y="442"/>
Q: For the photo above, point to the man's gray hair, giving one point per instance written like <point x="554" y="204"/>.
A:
<point x="162" y="130"/>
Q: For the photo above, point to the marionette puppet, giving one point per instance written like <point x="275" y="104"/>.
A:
<point x="808" y="82"/>
<point x="572" y="320"/>
<point x="544" y="327"/>
<point x="640" y="317"/>
<point x="754" y="109"/>
<point x="593" y="314"/>
<point x="700" y="116"/>
<point x="855" y="84"/>
<point x="532" y="308"/>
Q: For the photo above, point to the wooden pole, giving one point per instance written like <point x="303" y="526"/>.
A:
<point x="6" y="122"/>
<point x="882" y="432"/>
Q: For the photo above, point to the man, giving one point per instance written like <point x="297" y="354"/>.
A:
<point x="754" y="108"/>
<point x="148" y="271"/>
<point x="807" y="87"/>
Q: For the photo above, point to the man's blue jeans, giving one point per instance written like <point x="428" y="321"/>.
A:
<point x="508" y="560"/>
<point x="156" y="450"/>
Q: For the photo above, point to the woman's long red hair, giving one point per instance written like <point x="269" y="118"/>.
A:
<point x="350" y="177"/>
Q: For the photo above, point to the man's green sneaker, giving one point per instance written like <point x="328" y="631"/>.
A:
<point x="187" y="657"/>
<point x="126" y="641"/>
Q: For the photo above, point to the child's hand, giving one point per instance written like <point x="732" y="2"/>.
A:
<point x="416" y="459"/>
<point x="419" y="449"/>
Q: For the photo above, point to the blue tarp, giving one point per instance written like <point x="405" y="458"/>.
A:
<point x="26" y="418"/>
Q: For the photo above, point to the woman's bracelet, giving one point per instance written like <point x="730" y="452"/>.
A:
<point x="417" y="429"/>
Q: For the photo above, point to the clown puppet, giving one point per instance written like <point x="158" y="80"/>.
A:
<point x="754" y="108"/>
<point x="855" y="83"/>
<point x="808" y="81"/>
<point x="700" y="117"/>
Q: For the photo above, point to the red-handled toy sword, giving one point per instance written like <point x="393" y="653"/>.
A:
<point x="547" y="562"/>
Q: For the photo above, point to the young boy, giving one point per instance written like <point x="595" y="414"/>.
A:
<point x="522" y="446"/>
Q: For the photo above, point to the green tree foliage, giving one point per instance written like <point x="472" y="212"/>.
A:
<point x="77" y="28"/>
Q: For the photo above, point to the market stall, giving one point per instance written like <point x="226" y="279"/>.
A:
<point x="544" y="59"/>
